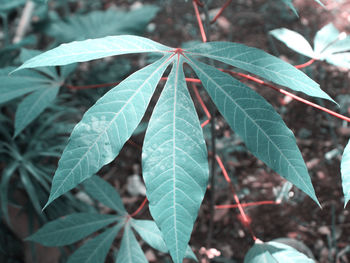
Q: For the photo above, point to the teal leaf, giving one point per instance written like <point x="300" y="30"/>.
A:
<point x="275" y="252"/>
<point x="70" y="229"/>
<point x="33" y="105"/>
<point x="289" y="3"/>
<point x="339" y="59"/>
<point x="8" y="5"/>
<point x="345" y="173"/>
<point x="130" y="250"/>
<point x="260" y="63"/>
<point x="86" y="50"/>
<point x="97" y="139"/>
<point x="324" y="39"/>
<point x="175" y="165"/>
<point x="151" y="234"/>
<point x="21" y="83"/>
<point x="97" y="24"/>
<point x="258" y="124"/>
<point x="102" y="191"/>
<point x="96" y="249"/>
<point x="294" y="41"/>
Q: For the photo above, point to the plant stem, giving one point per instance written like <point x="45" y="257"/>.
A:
<point x="140" y="207"/>
<point x="5" y="28"/>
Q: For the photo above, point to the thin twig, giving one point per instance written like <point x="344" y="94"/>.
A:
<point x="199" y="20"/>
<point x="24" y="21"/>
<point x="144" y="202"/>
<point x="227" y="3"/>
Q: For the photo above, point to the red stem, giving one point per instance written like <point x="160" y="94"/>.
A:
<point x="227" y="3"/>
<point x="140" y="207"/>
<point x="204" y="107"/>
<point x="306" y="64"/>
<point x="199" y="20"/>
<point x="247" y="204"/>
<point x="92" y="86"/>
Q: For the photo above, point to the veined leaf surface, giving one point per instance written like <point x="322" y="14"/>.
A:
<point x="294" y="41"/>
<point x="151" y="234"/>
<point x="86" y="50"/>
<point x="324" y="38"/>
<point x="96" y="249"/>
<point x="102" y="191"/>
<point x="97" y="139"/>
<point x="70" y="229"/>
<point x="345" y="173"/>
<point x="260" y="63"/>
<point x="33" y="105"/>
<point x="130" y="250"/>
<point x="175" y="165"/>
<point x="257" y="123"/>
<point x="259" y="254"/>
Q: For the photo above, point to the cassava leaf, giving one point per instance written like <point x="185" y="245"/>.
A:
<point x="21" y="83"/>
<point x="33" y="105"/>
<point x="289" y="3"/>
<point x="257" y="123"/>
<point x="324" y="38"/>
<point x="130" y="250"/>
<point x="151" y="234"/>
<point x="345" y="173"/>
<point x="175" y="165"/>
<point x="102" y="191"/>
<point x="97" y="139"/>
<point x="98" y="24"/>
<point x="275" y="252"/>
<point x="70" y="229"/>
<point x="260" y="63"/>
<point x="86" y="50"/>
<point x="96" y="249"/>
<point x="294" y="41"/>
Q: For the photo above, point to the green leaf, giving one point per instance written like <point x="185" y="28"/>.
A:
<point x="257" y="123"/>
<point x="102" y="191"/>
<point x="21" y="83"/>
<point x="33" y="105"/>
<point x="97" y="139"/>
<point x="151" y="234"/>
<point x="80" y="51"/>
<point x="4" y="187"/>
<point x="339" y="59"/>
<point x="345" y="173"/>
<point x="289" y="3"/>
<point x="275" y="252"/>
<point x="96" y="249"/>
<point x="175" y="165"/>
<point x="8" y="5"/>
<point x="130" y="250"/>
<point x="294" y="41"/>
<point x="98" y="24"/>
<point x="260" y="63"/>
<point x="70" y="229"/>
<point x="324" y="39"/>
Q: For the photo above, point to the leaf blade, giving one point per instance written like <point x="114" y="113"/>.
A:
<point x="90" y="146"/>
<point x="258" y="124"/>
<point x="260" y="63"/>
<point x="345" y="173"/>
<point x="175" y="165"/>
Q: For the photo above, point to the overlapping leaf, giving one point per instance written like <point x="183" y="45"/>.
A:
<point x="130" y="250"/>
<point x="97" y="24"/>
<point x="260" y="63"/>
<point x="71" y="228"/>
<point x="97" y="139"/>
<point x="345" y="173"/>
<point x="258" y="124"/>
<point x="96" y="249"/>
<point x="80" y="51"/>
<point x="175" y="166"/>
<point x="275" y="252"/>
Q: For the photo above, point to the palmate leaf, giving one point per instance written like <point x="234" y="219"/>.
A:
<point x="97" y="139"/>
<point x="70" y="229"/>
<point x="258" y="124"/>
<point x="345" y="173"/>
<point x="260" y="63"/>
<point x="275" y="252"/>
<point x="151" y="234"/>
<point x="98" y="24"/>
<point x="80" y="51"/>
<point x="102" y="191"/>
<point x="96" y="249"/>
<point x="175" y="165"/>
<point x="130" y="250"/>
